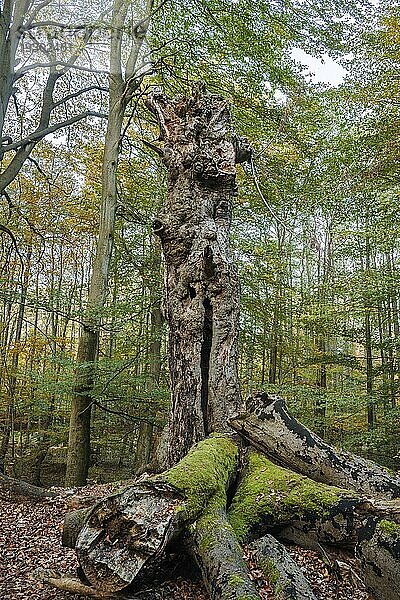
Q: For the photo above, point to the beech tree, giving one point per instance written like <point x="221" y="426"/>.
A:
<point x="31" y="28"/>
<point x="124" y="81"/>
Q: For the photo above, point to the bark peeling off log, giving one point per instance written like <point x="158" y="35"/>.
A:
<point x="126" y="530"/>
<point x="283" y="574"/>
<point x="201" y="283"/>
<point x="269" y="426"/>
<point x="379" y="551"/>
<point x="126" y="533"/>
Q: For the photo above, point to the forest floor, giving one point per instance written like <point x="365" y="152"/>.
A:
<point x="30" y="539"/>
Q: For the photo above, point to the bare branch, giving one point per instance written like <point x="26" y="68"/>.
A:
<point x="41" y="133"/>
<point x="57" y="63"/>
<point x="79" y="93"/>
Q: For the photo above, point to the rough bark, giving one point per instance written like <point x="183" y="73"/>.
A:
<point x="201" y="282"/>
<point x="126" y="532"/>
<point x="379" y="551"/>
<point x="284" y="574"/>
<point x="269" y="426"/>
<point x="219" y="555"/>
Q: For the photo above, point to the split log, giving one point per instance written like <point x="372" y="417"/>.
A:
<point x="10" y="487"/>
<point x="127" y="532"/>
<point x="269" y="426"/>
<point x="283" y="573"/>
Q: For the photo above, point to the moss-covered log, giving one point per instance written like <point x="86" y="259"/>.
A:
<point x="272" y="498"/>
<point x="269" y="426"/>
<point x="283" y="573"/>
<point x="220" y="556"/>
<point x="126" y="532"/>
<point x="216" y="506"/>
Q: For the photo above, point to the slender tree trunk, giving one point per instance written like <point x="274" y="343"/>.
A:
<point x="368" y="348"/>
<point x="201" y="283"/>
<point x="12" y="383"/>
<point x="121" y="92"/>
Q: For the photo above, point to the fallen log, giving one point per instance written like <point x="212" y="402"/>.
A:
<point x="379" y="551"/>
<point x="273" y="498"/>
<point x="268" y="426"/>
<point x="10" y="487"/>
<point x="283" y="573"/>
<point x="219" y="555"/>
<point x="126" y="533"/>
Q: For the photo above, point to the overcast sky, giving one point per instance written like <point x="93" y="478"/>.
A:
<point x="323" y="69"/>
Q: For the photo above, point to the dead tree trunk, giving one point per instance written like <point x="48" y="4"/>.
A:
<point x="268" y="426"/>
<point x="201" y="284"/>
<point x="126" y="534"/>
<point x="218" y="496"/>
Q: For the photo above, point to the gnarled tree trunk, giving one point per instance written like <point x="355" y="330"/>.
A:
<point x="218" y="495"/>
<point x="201" y="284"/>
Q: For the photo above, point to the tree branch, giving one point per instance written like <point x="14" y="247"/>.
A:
<point x="41" y="133"/>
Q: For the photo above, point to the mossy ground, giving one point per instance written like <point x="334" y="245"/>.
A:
<point x="268" y="491"/>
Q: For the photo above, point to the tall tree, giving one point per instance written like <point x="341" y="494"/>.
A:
<point x="124" y="81"/>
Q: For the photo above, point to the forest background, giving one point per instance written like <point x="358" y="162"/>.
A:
<point x="316" y="230"/>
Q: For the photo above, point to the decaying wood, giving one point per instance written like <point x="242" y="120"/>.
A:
<point x="127" y="532"/>
<point x="379" y="551"/>
<point x="71" y="585"/>
<point x="10" y="487"/>
<point x="285" y="576"/>
<point x="73" y="523"/>
<point x="220" y="558"/>
<point x="215" y="496"/>
<point x="200" y="152"/>
<point x="268" y="425"/>
<point x="124" y="531"/>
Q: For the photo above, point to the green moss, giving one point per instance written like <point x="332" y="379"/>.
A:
<point x="389" y="528"/>
<point x="235" y="580"/>
<point x="270" y="571"/>
<point x="270" y="491"/>
<point x="203" y="473"/>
